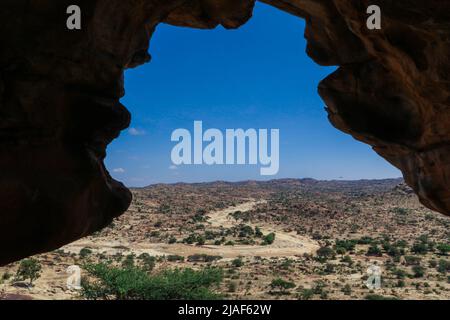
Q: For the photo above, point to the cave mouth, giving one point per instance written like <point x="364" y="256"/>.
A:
<point x="60" y="94"/>
<point x="257" y="76"/>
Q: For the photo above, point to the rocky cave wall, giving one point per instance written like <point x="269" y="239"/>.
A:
<point x="60" y="92"/>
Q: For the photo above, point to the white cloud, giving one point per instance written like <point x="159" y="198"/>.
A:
<point x="173" y="167"/>
<point x="119" y="170"/>
<point x="136" y="132"/>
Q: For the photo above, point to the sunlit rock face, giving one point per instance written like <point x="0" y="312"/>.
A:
<point x="60" y="91"/>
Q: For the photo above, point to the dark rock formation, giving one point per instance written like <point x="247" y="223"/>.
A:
<point x="60" y="91"/>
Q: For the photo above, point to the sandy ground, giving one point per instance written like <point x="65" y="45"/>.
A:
<point x="52" y="283"/>
<point x="285" y="244"/>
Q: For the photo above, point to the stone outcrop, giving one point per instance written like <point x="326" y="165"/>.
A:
<point x="60" y="92"/>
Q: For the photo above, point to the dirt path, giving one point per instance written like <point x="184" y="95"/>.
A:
<point x="285" y="244"/>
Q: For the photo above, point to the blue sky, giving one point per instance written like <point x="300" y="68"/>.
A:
<point x="258" y="76"/>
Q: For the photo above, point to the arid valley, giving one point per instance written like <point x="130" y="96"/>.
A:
<point x="281" y="239"/>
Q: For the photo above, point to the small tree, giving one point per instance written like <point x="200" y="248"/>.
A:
<point x="443" y="248"/>
<point x="443" y="266"/>
<point x="237" y="263"/>
<point x="281" y="285"/>
<point x="420" y="248"/>
<point x="85" y="252"/>
<point x="258" y="232"/>
<point x="29" y="269"/>
<point x="419" y="271"/>
<point x="374" y="251"/>
<point x="269" y="239"/>
<point x="325" y="253"/>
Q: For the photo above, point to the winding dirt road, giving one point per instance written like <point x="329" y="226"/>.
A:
<point x="286" y="244"/>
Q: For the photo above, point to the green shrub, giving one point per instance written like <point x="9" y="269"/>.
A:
<point x="174" y="258"/>
<point x="400" y="211"/>
<point x="6" y="276"/>
<point x="347" y="259"/>
<point x="306" y="294"/>
<point x="374" y="251"/>
<point x="148" y="261"/>
<point x="258" y="232"/>
<point x="172" y="240"/>
<point x="365" y="240"/>
<point x="443" y="266"/>
<point x="418" y="271"/>
<point x="443" y="248"/>
<point x="203" y="258"/>
<point x="347" y="245"/>
<point x="85" y="252"/>
<point x="237" y="263"/>
<point x="325" y="253"/>
<point x="281" y="285"/>
<point x="269" y="239"/>
<point x="419" y="248"/>
<point x="412" y="260"/>
<point x="128" y="261"/>
<point x="246" y="231"/>
<point x="29" y="269"/>
<point x="399" y="273"/>
<point x="200" y="240"/>
<point x="135" y="284"/>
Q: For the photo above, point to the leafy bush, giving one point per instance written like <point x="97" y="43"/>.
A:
<point x="347" y="259"/>
<point x="365" y="240"/>
<point x="200" y="240"/>
<point x="128" y="262"/>
<point x="306" y="294"/>
<point x="258" y="232"/>
<point x="325" y="253"/>
<point x="174" y="258"/>
<point x="269" y="239"/>
<point x="443" y="266"/>
<point x="172" y="240"/>
<point x="135" y="284"/>
<point x="399" y="273"/>
<point x="400" y="211"/>
<point x="246" y="231"/>
<point x="393" y="251"/>
<point x="203" y="258"/>
<point x="443" y="248"/>
<point x="412" y="260"/>
<point x="237" y="263"/>
<point x="419" y="271"/>
<point x="419" y="248"/>
<point x="347" y="245"/>
<point x="148" y="261"/>
<point x="281" y="285"/>
<point x="29" y="269"/>
<point x="85" y="252"/>
<point x="192" y="238"/>
<point x="374" y="251"/>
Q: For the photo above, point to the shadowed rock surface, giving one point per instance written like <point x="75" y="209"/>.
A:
<point x="60" y="91"/>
